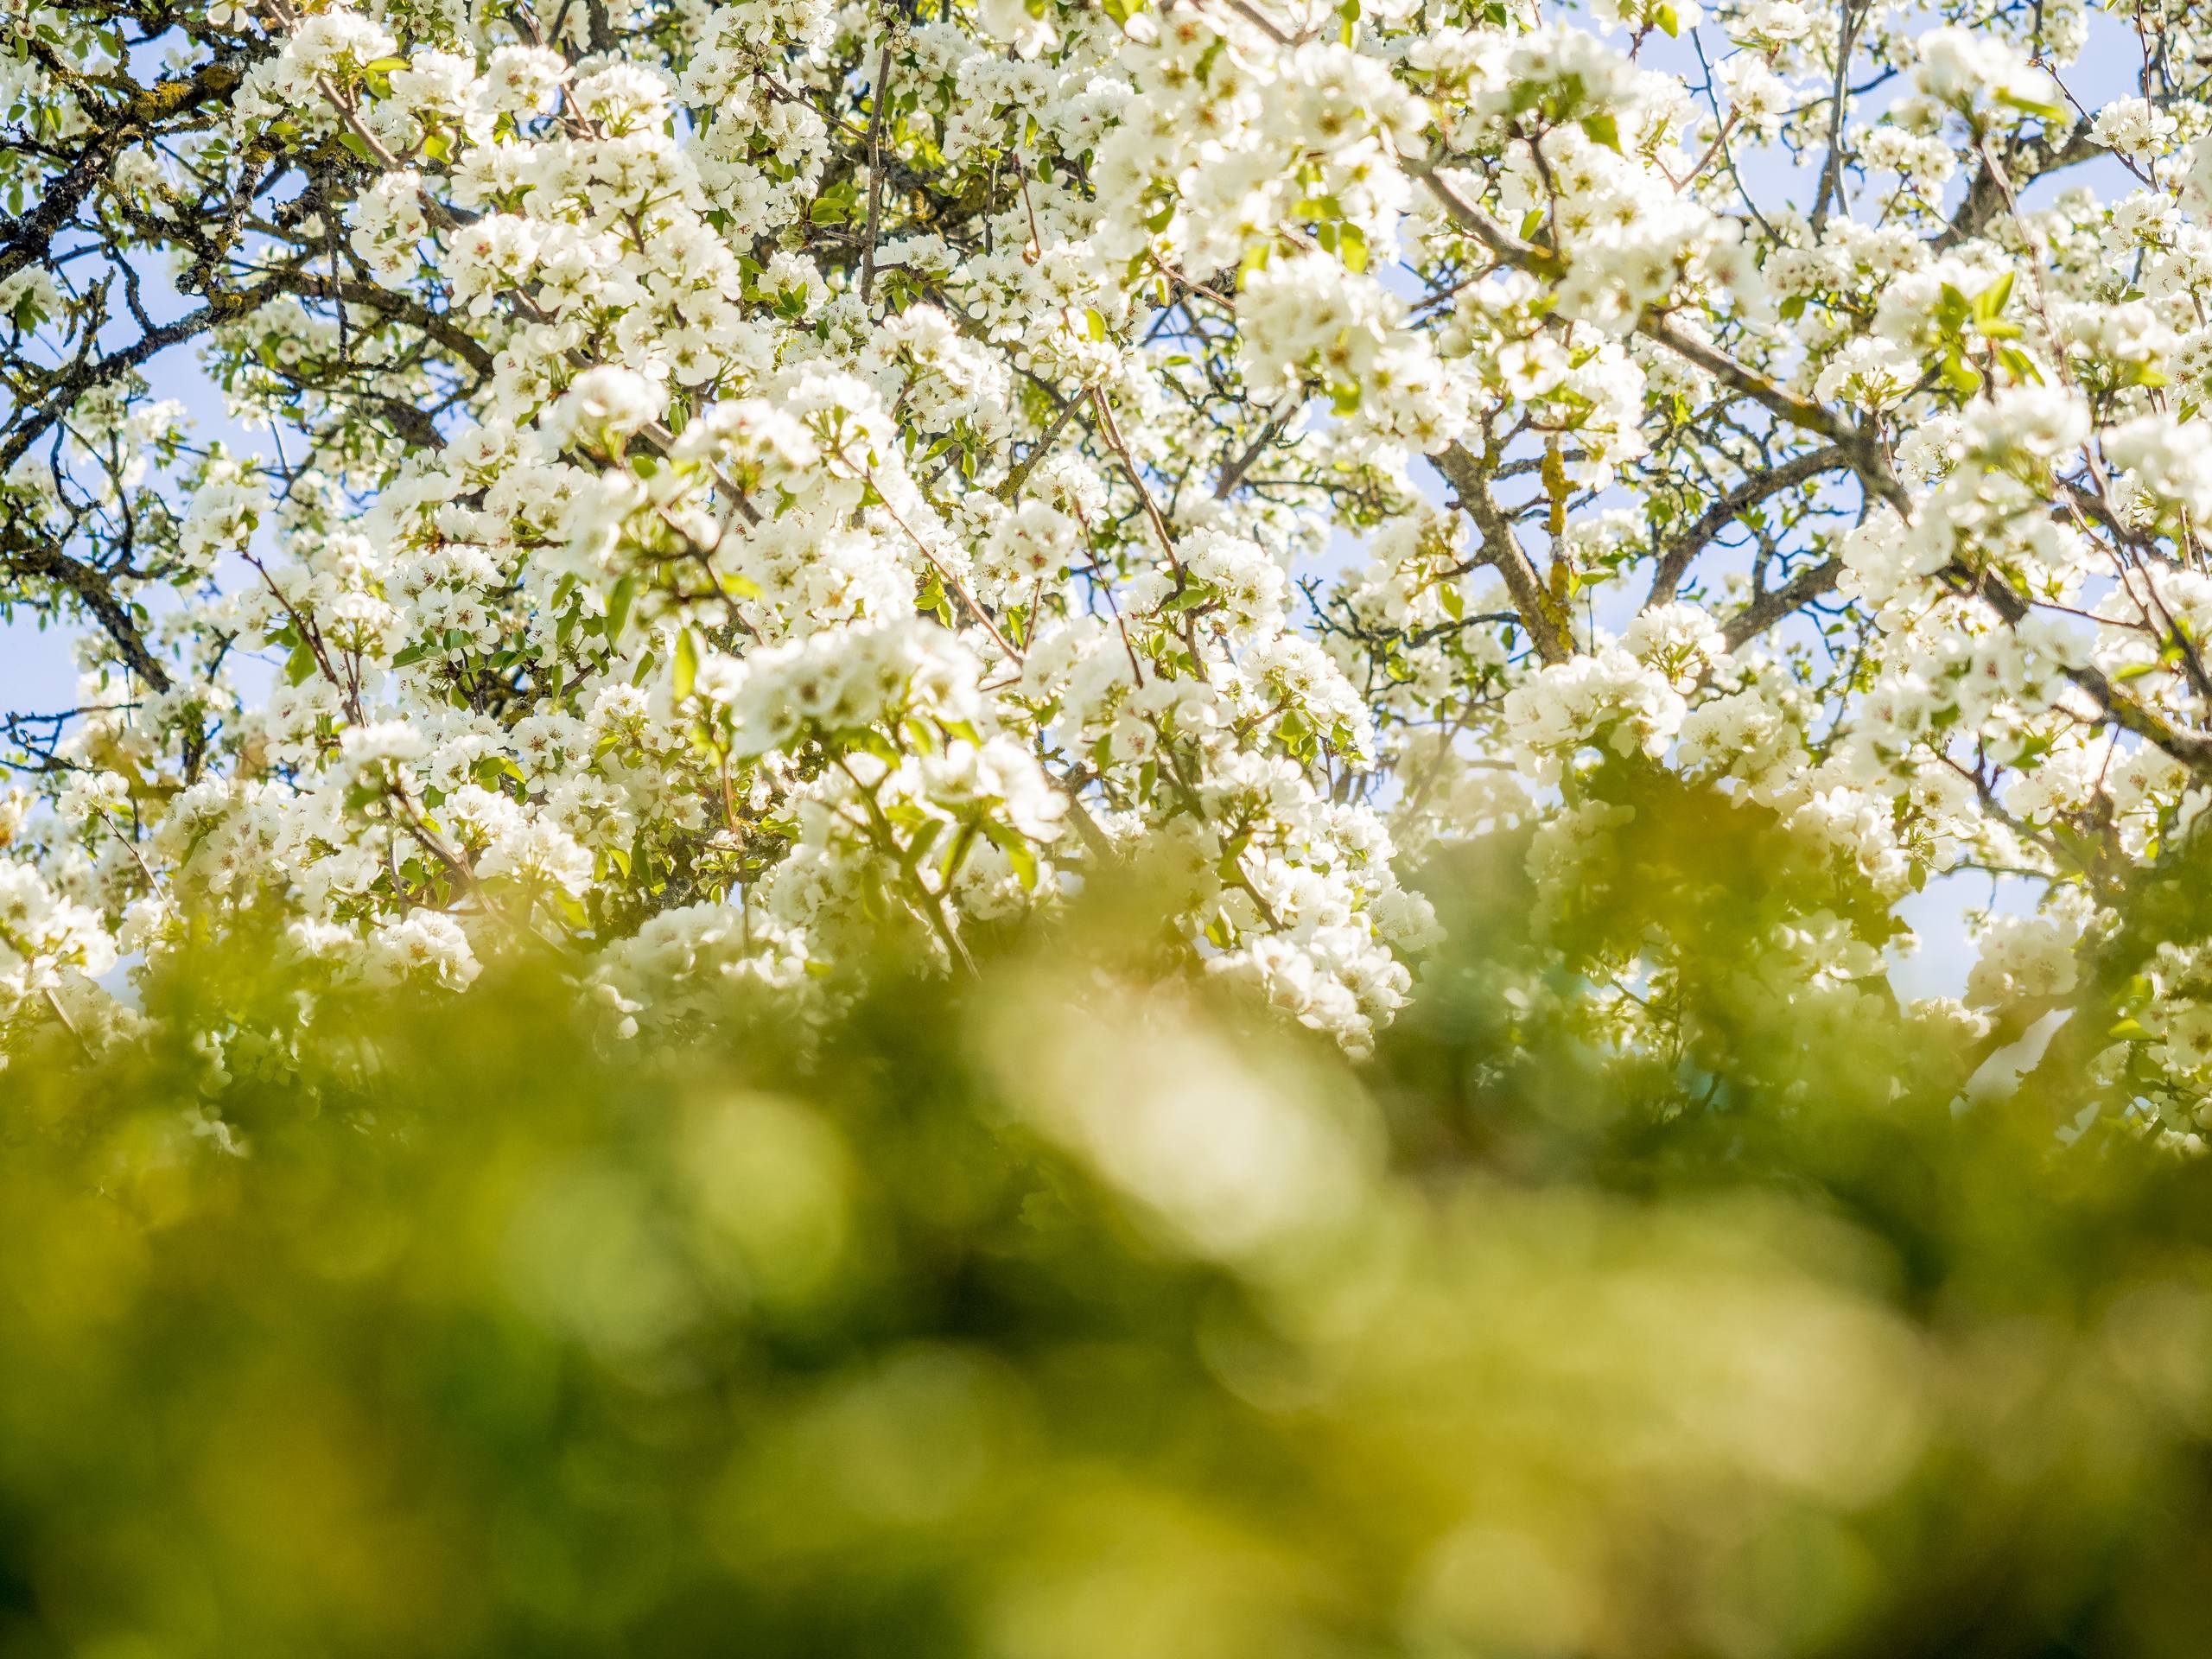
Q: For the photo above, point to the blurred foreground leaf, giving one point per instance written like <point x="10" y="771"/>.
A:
<point x="1059" y="1317"/>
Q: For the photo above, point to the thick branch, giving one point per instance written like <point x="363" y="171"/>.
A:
<point x="1500" y="548"/>
<point x="1675" y="563"/>
<point x="99" y="371"/>
<point x="1770" y="607"/>
<point x="28" y="238"/>
<point x="30" y="557"/>
<point x="2025" y="162"/>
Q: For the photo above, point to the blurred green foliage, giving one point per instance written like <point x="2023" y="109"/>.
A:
<point x="1061" y="1314"/>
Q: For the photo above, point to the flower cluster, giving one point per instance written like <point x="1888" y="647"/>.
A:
<point x="764" y="480"/>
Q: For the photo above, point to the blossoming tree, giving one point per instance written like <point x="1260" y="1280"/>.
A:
<point x="746" y="481"/>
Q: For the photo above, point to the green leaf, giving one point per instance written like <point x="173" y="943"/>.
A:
<point x="1602" y="129"/>
<point x="618" y="606"/>
<point x="1190" y="597"/>
<point x="2030" y="106"/>
<point x="932" y="600"/>
<point x="687" y="662"/>
<point x="1351" y="247"/>
<point x="1989" y="304"/>
<point x="1019" y="853"/>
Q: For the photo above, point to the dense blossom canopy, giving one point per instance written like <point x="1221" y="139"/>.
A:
<point x="746" y="481"/>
